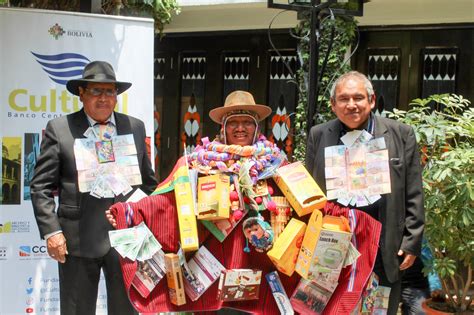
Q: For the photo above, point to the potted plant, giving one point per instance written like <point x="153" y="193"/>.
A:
<point x="444" y="127"/>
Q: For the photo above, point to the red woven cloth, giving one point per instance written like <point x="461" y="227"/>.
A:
<point x="353" y="279"/>
<point x="159" y="213"/>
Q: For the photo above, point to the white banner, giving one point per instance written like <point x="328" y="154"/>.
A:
<point x="39" y="52"/>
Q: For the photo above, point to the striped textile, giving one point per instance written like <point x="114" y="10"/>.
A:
<point x="159" y="213"/>
<point x="353" y="279"/>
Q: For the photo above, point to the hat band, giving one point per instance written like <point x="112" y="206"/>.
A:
<point x="100" y="76"/>
<point x="240" y="112"/>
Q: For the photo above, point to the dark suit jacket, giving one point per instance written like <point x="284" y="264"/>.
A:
<point x="401" y="212"/>
<point x="79" y="215"/>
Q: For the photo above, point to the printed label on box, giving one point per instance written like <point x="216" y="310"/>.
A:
<point x="286" y="248"/>
<point x="281" y="299"/>
<point x="200" y="272"/>
<point x="299" y="188"/>
<point x="213" y="197"/>
<point x="239" y="284"/>
<point x="309" y="298"/>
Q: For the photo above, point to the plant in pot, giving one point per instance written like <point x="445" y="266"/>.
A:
<point x="444" y="127"/>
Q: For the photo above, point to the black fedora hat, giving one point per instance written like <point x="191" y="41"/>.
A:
<point x="97" y="72"/>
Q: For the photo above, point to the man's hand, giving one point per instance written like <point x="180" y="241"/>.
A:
<point x="408" y="260"/>
<point x="111" y="218"/>
<point x="57" y="248"/>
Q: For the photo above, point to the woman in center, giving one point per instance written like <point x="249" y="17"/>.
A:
<point x="242" y="152"/>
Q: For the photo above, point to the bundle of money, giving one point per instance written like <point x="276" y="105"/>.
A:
<point x="136" y="243"/>
<point x="106" y="168"/>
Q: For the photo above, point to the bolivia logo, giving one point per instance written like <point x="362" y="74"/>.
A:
<point x="56" y="31"/>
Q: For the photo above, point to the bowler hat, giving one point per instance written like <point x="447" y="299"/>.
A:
<point x="239" y="102"/>
<point x="97" y="72"/>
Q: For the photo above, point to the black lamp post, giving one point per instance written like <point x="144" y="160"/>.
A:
<point x="315" y="7"/>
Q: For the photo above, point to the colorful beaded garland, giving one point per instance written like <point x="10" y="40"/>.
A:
<point x="229" y="158"/>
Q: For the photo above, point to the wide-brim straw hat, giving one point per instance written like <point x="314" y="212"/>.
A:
<point x="240" y="102"/>
<point x="97" y="72"/>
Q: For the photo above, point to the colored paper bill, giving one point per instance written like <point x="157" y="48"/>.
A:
<point x="333" y="172"/>
<point x="351" y="137"/>
<point x="123" y="140"/>
<point x="126" y="160"/>
<point x="357" y="183"/>
<point x="125" y="150"/>
<point x="336" y="193"/>
<point x="361" y="200"/>
<point x="117" y="171"/>
<point x="377" y="156"/>
<point x="116" y="183"/>
<point x="376" y="144"/>
<point x="85" y="156"/>
<point x="124" y="236"/>
<point x="335" y="151"/>
<point x="99" y="188"/>
<point x="150" y="245"/>
<point x="363" y="138"/>
<point x="351" y="256"/>
<point x="105" y="152"/>
<point x="335" y="183"/>
<point x="89" y="133"/>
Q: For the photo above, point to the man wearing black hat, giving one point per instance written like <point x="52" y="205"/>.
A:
<point x="77" y="233"/>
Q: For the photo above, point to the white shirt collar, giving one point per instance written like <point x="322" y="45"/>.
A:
<point x="92" y="122"/>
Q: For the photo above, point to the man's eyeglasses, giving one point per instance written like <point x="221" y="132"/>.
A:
<point x="99" y="92"/>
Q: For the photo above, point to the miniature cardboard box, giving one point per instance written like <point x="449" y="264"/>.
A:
<point x="286" y="248"/>
<point x="149" y="273"/>
<point x="213" y="197"/>
<point x="278" y="291"/>
<point x="200" y="272"/>
<point x="323" y="250"/>
<point x="239" y="284"/>
<point x="309" y="298"/>
<point x="299" y="188"/>
<point x="174" y="276"/>
<point x="185" y="206"/>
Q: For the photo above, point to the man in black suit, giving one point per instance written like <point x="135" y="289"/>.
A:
<point x="401" y="212"/>
<point x="77" y="234"/>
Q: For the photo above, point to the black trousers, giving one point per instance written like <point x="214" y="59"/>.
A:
<point x="396" y="287"/>
<point x="79" y="282"/>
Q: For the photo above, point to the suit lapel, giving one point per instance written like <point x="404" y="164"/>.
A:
<point x="122" y="124"/>
<point x="124" y="127"/>
<point x="382" y="131"/>
<point x="79" y="124"/>
<point x="334" y="132"/>
<point x="380" y="128"/>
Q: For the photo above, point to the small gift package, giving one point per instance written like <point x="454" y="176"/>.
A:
<point x="185" y="206"/>
<point x="278" y="291"/>
<point x="174" y="276"/>
<point x="309" y="298"/>
<point x="213" y="197"/>
<point x="325" y="245"/>
<point x="299" y="188"/>
<point x="280" y="217"/>
<point x="239" y="284"/>
<point x="286" y="248"/>
<point x="200" y="272"/>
